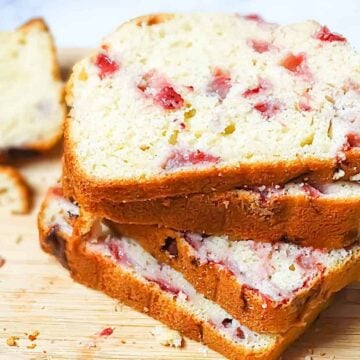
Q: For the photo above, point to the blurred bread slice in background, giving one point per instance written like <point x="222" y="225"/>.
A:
<point x="14" y="192"/>
<point x="31" y="91"/>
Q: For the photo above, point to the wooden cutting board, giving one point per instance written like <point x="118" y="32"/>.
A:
<point x="37" y="294"/>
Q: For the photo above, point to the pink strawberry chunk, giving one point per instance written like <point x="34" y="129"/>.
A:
<point x="259" y="46"/>
<point x="324" y="34"/>
<point x="311" y="191"/>
<point x="254" y="17"/>
<point x="156" y="86"/>
<point x="106" y="65"/>
<point x="220" y="84"/>
<point x="169" y="99"/>
<point x="352" y="141"/>
<point x="293" y="62"/>
<point x="180" y="158"/>
<point x="106" y="332"/>
<point x="267" y="109"/>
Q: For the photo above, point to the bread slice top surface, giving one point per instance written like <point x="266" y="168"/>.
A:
<point x="31" y="102"/>
<point x="177" y="93"/>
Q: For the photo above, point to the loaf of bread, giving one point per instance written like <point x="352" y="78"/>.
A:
<point x="32" y="100"/>
<point x="268" y="286"/>
<point x="15" y="195"/>
<point x="180" y="104"/>
<point x="317" y="215"/>
<point x="121" y="268"/>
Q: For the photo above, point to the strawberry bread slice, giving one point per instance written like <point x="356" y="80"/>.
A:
<point x="123" y="269"/>
<point x="268" y="287"/>
<point x="15" y="194"/>
<point x="32" y="100"/>
<point x="178" y="104"/>
<point x="317" y="215"/>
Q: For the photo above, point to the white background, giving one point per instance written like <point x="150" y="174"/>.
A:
<point x="84" y="22"/>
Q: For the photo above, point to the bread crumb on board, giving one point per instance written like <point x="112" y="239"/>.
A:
<point x="33" y="336"/>
<point x="12" y="341"/>
<point x="167" y="337"/>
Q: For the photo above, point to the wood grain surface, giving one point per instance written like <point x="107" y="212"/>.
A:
<point x="37" y="294"/>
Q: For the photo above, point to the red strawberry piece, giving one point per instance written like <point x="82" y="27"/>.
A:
<point x="240" y="333"/>
<point x="263" y="86"/>
<point x="187" y="158"/>
<point x="324" y="34"/>
<point x="169" y="99"/>
<point x="106" y="65"/>
<point x="267" y="109"/>
<point x="106" y="332"/>
<point x="220" y="84"/>
<point x="304" y="106"/>
<point x="259" y="46"/>
<point x="114" y="250"/>
<point x="352" y="141"/>
<point x="118" y="252"/>
<point x="164" y="285"/>
<point x="156" y="86"/>
<point x="254" y="17"/>
<point x="293" y="62"/>
<point x="253" y="91"/>
<point x="311" y="191"/>
<point x="306" y="262"/>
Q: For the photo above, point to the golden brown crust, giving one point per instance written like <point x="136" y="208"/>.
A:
<point x="101" y="274"/>
<point x="50" y="142"/>
<point x="223" y="288"/>
<point x="307" y="221"/>
<point x="22" y="188"/>
<point x="201" y="181"/>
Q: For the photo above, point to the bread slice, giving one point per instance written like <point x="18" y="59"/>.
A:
<point x="121" y="268"/>
<point x="268" y="286"/>
<point x="178" y="104"/>
<point x="321" y="215"/>
<point x="32" y="99"/>
<point x="15" y="195"/>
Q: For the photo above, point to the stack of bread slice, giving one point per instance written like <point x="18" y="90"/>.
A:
<point x="210" y="176"/>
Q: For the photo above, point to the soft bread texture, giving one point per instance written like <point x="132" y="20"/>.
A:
<point x="15" y="195"/>
<point x="32" y="95"/>
<point x="325" y="216"/>
<point x="178" y="104"/>
<point x="88" y="248"/>
<point x="268" y="286"/>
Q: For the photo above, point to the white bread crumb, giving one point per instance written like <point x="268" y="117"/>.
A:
<point x="167" y="337"/>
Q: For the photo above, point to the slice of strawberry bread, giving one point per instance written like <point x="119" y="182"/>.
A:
<point x="317" y="215"/>
<point x="268" y="287"/>
<point x="32" y="101"/>
<point x="15" y="194"/>
<point x="121" y="268"/>
<point x="178" y="104"/>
